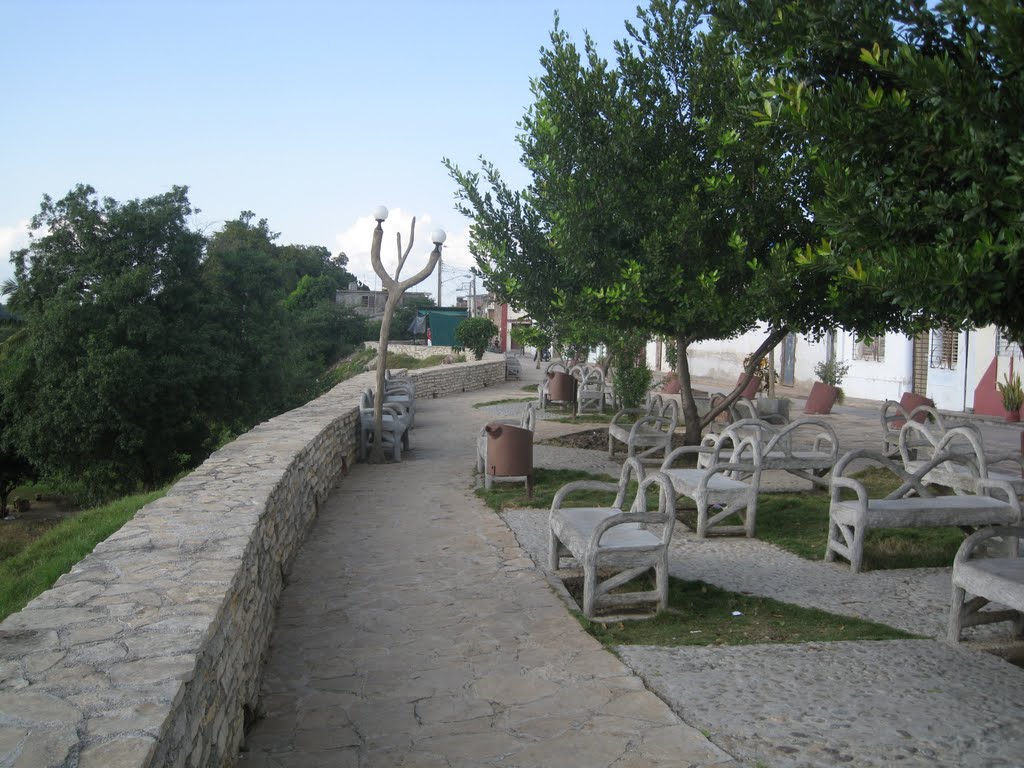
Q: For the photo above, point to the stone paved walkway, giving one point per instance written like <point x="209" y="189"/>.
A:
<point x="418" y="631"/>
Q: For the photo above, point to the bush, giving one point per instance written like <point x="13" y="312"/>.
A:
<point x="632" y="383"/>
<point x="475" y="333"/>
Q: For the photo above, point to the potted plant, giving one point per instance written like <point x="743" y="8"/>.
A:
<point x="1013" y="395"/>
<point x="826" y="392"/>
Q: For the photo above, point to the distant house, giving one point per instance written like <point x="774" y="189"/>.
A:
<point x="367" y="302"/>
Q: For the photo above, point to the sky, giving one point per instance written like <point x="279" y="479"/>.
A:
<point x="308" y="113"/>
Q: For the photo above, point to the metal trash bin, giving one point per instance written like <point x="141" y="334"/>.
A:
<point x="561" y="387"/>
<point x="510" y="453"/>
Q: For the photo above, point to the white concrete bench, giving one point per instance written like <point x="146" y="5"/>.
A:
<point x="614" y="545"/>
<point x="395" y="423"/>
<point x="650" y="434"/>
<point x="918" y="442"/>
<point x="590" y="388"/>
<point x="725" y="481"/>
<point x="978" y="581"/>
<point x="850" y="520"/>
<point x="911" y="407"/>
<point x="807" y="448"/>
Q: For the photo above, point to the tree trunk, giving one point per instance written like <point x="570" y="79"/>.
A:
<point x="694" y="424"/>
<point x="377" y="452"/>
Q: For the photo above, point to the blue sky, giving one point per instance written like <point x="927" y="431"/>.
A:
<point x="308" y="113"/>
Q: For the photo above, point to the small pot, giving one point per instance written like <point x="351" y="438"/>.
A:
<point x="1013" y="415"/>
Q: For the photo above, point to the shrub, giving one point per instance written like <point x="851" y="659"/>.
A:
<point x="475" y="333"/>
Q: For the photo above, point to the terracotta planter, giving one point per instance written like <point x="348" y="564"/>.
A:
<point x="821" y="399"/>
<point x="751" y="390"/>
<point x="1013" y="415"/>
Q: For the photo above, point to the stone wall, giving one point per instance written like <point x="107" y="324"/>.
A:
<point x="414" y="350"/>
<point x="149" y="652"/>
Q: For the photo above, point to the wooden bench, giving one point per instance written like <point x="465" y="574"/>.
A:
<point x="807" y="448"/>
<point x="725" y="481"/>
<point x="613" y="545"/>
<point x="650" y="434"/>
<point x="978" y="581"/>
<point x="850" y="520"/>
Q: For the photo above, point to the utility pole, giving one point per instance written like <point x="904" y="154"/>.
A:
<point x="472" y="297"/>
<point x="439" y="261"/>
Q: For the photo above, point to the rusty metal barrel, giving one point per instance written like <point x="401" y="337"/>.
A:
<point x="561" y="387"/>
<point x="510" y="453"/>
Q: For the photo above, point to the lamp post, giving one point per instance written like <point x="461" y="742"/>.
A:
<point x="395" y="289"/>
<point x="437" y="237"/>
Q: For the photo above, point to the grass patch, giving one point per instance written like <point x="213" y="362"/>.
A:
<point x="506" y="401"/>
<point x="798" y="522"/>
<point x="702" y="614"/>
<point x="39" y="564"/>
<point x="546" y="483"/>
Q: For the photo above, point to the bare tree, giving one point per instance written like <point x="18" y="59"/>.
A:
<point x="395" y="289"/>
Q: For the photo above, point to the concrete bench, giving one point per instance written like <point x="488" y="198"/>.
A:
<point x="911" y="407"/>
<point x="725" y="481"/>
<point x="614" y="545"/>
<point x="850" y="520"/>
<point x="590" y="388"/>
<point x="978" y="581"/>
<point x="395" y="423"/>
<point x="807" y="448"/>
<point x="918" y="442"/>
<point x="650" y="434"/>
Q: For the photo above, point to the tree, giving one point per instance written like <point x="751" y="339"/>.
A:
<point x="475" y="333"/>
<point x="654" y="204"/>
<point x="911" y="115"/>
<point x="108" y="380"/>
<point x="395" y="289"/>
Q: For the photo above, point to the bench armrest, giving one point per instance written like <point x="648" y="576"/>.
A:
<point x="971" y="543"/>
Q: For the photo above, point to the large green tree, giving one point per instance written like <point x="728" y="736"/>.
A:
<point x="107" y="383"/>
<point x="655" y="205"/>
<point x="911" y="116"/>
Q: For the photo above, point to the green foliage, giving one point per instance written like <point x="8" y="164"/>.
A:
<point x="1011" y="392"/>
<point x="475" y="333"/>
<point x="831" y="372"/>
<point x="530" y="336"/>
<point x="910" y="113"/>
<point x="35" y="569"/>
<point x="138" y="351"/>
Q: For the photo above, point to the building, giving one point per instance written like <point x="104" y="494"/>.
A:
<point x="366" y="302"/>
<point x="957" y="370"/>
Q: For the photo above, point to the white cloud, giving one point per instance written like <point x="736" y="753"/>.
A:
<point x="355" y="242"/>
<point x="11" y="239"/>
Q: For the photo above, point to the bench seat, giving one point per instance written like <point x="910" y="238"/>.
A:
<point x="936" y="512"/>
<point x="978" y="581"/>
<point x="614" y="545"/>
<point x="989" y="502"/>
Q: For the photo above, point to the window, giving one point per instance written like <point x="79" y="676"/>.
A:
<point x="871" y="349"/>
<point x="1005" y="347"/>
<point x="943" y="350"/>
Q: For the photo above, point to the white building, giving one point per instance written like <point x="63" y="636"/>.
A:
<point x="957" y="370"/>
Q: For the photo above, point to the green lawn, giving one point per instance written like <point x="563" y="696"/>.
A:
<point x="35" y="568"/>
